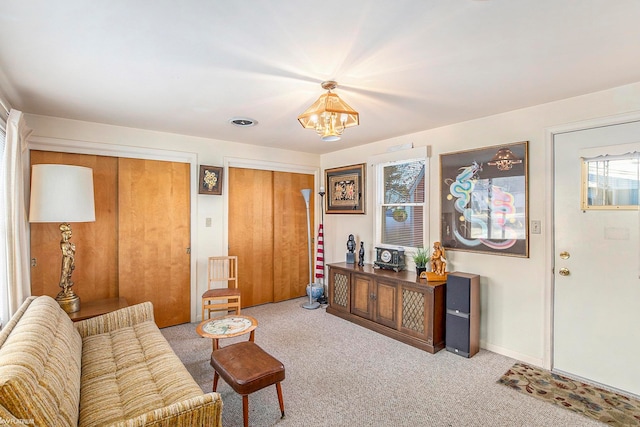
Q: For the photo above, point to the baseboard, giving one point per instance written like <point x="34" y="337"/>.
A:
<point x="514" y="355"/>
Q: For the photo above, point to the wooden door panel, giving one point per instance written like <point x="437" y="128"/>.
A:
<point x="251" y="233"/>
<point x="386" y="297"/>
<point x="154" y="237"/>
<point x="96" y="259"/>
<point x="290" y="244"/>
<point x="361" y="289"/>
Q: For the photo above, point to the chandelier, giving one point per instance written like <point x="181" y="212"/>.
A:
<point x="329" y="116"/>
<point x="504" y="159"/>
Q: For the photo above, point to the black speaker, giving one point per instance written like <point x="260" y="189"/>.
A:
<point x="463" y="314"/>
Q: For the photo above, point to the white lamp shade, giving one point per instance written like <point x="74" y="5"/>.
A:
<point x="306" y="193"/>
<point x="61" y="193"/>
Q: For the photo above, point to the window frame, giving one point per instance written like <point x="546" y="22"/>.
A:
<point x="395" y="158"/>
<point x="585" y="182"/>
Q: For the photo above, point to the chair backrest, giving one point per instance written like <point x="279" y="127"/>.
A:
<point x="222" y="269"/>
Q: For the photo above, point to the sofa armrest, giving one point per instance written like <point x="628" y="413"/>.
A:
<point x="205" y="410"/>
<point x="121" y="318"/>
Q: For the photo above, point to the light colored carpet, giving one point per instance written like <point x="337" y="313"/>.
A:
<point x="341" y="374"/>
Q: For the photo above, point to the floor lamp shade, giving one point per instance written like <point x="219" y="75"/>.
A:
<point x="61" y="193"/>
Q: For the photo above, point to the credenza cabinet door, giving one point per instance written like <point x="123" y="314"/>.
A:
<point x="362" y="295"/>
<point x="385" y="302"/>
<point x="340" y="290"/>
<point x="414" y="312"/>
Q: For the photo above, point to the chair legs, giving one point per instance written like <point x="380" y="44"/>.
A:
<point x="215" y="380"/>
<point x="280" y="400"/>
<point x="245" y="400"/>
<point x="245" y="405"/>
<point x="245" y="410"/>
<point x="208" y="307"/>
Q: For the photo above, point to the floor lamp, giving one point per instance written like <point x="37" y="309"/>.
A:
<point x="312" y="304"/>
<point x="63" y="194"/>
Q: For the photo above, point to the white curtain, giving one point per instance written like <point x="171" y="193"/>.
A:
<point x="14" y="222"/>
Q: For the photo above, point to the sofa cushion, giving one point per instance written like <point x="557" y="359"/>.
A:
<point x="40" y="366"/>
<point x="127" y="371"/>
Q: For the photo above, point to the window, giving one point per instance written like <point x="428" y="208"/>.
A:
<point x="611" y="182"/>
<point x="401" y="203"/>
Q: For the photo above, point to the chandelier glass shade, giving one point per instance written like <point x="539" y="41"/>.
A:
<point x="329" y="116"/>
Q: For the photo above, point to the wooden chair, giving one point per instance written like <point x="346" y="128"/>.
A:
<point x="221" y="269"/>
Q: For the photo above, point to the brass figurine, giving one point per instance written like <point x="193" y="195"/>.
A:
<point x="67" y="299"/>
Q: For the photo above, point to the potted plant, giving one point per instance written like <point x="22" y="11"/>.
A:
<point x="421" y="259"/>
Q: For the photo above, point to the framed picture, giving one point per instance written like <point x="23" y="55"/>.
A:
<point x="484" y="200"/>
<point x="210" y="180"/>
<point x="345" y="189"/>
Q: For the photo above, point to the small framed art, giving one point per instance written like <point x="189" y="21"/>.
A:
<point x="210" y="180"/>
<point x="346" y="189"/>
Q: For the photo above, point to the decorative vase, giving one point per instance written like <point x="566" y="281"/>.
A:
<point x="315" y="290"/>
<point x="420" y="270"/>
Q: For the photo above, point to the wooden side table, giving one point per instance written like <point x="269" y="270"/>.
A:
<point x="97" y="307"/>
<point x="228" y="326"/>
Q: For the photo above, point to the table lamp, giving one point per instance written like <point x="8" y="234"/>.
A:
<point x="63" y="193"/>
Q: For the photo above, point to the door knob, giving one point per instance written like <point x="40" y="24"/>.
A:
<point x="564" y="271"/>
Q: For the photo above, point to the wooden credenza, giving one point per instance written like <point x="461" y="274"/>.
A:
<point x="397" y="305"/>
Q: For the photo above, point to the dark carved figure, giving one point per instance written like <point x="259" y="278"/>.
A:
<point x="361" y="255"/>
<point x="351" y="243"/>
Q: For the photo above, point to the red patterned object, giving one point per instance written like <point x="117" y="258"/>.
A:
<point x="320" y="254"/>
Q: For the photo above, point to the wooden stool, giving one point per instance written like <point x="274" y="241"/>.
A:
<point x="247" y="368"/>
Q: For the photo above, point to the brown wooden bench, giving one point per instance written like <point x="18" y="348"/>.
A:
<point x="247" y="368"/>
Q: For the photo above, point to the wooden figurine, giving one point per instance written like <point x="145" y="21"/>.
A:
<point x="438" y="263"/>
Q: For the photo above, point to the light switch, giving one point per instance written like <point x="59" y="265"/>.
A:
<point x="536" y="227"/>
<point x="207" y="222"/>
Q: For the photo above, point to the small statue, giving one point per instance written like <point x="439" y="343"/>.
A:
<point x="361" y="255"/>
<point x="351" y="243"/>
<point x="351" y="247"/>
<point x="438" y="259"/>
<point x="68" y="259"/>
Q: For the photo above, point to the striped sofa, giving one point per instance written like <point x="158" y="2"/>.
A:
<point x="116" y="369"/>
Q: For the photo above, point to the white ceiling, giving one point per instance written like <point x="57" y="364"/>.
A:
<point x="189" y="66"/>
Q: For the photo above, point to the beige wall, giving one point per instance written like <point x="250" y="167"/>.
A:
<point x="513" y="289"/>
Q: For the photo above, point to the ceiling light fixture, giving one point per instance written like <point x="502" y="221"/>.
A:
<point x="504" y="159"/>
<point x="329" y="116"/>
<point x="243" y="122"/>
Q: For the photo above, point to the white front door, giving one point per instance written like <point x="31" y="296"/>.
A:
<point x="596" y="268"/>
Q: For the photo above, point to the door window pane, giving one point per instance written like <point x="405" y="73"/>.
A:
<point x="611" y="182"/>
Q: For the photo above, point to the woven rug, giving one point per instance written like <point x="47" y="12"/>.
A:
<point x="594" y="402"/>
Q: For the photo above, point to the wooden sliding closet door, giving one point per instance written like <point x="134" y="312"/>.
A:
<point x="291" y="264"/>
<point x="154" y="237"/>
<point x="268" y="233"/>
<point x="251" y="233"/>
<point x="96" y="259"/>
